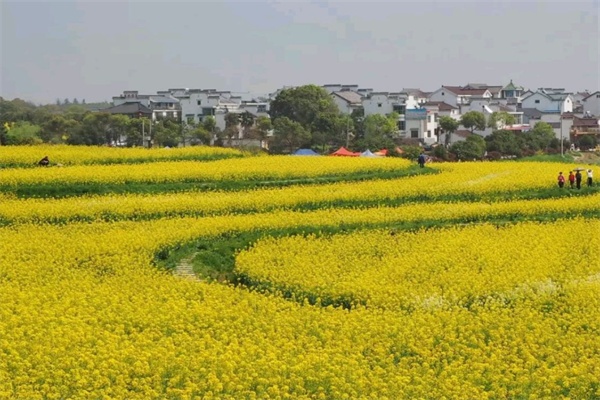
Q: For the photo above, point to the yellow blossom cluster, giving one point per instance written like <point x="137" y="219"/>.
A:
<point x="242" y="169"/>
<point x="84" y="314"/>
<point x="431" y="268"/>
<point x="133" y="206"/>
<point x="461" y="312"/>
<point x="23" y="156"/>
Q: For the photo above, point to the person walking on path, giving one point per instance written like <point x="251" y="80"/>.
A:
<point x="572" y="179"/>
<point x="421" y="160"/>
<point x="578" y="179"/>
<point x="590" y="178"/>
<point x="561" y="180"/>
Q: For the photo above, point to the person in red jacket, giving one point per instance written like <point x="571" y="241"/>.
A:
<point x="561" y="180"/>
<point x="572" y="179"/>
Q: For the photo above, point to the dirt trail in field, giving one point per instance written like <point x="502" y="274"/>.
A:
<point x="588" y="158"/>
<point x="184" y="269"/>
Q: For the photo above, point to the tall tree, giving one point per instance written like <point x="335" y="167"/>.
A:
<point x="246" y="121"/>
<point x="378" y="132"/>
<point x="500" y="119"/>
<point x="449" y="126"/>
<point x="289" y="135"/>
<point x="473" y="120"/>
<point x="261" y="129"/>
<point x="302" y="104"/>
<point x="473" y="148"/>
<point x="540" y="137"/>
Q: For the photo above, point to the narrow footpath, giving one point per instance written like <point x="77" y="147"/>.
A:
<point x="184" y="269"/>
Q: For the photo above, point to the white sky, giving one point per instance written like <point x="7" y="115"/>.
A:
<point x="97" y="49"/>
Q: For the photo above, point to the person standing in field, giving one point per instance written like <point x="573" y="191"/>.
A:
<point x="571" y="179"/>
<point x="561" y="180"/>
<point x="578" y="179"/>
<point x="590" y="178"/>
<point x="421" y="160"/>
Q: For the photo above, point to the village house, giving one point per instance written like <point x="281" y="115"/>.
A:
<point x="162" y="106"/>
<point x="591" y="104"/>
<point x="549" y="100"/>
<point x="458" y="96"/>
<point x="347" y="101"/>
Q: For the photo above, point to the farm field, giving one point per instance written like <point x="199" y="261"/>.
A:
<point x="315" y="277"/>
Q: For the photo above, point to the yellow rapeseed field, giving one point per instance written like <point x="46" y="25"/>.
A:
<point x="20" y="156"/>
<point x="464" y="312"/>
<point x="431" y="268"/>
<point x="243" y="169"/>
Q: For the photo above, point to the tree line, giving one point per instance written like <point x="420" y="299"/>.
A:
<point x="301" y="117"/>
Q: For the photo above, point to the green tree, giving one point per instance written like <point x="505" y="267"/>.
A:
<point x="247" y="122"/>
<point x="119" y="128"/>
<point x="260" y="130"/>
<point x="302" y="104"/>
<point x="500" y="119"/>
<point x="166" y="133"/>
<point x="58" y="128"/>
<point x="473" y="148"/>
<point x="378" y="132"/>
<point x="24" y="133"/>
<point x="96" y="130"/>
<point x="540" y="137"/>
<point x="329" y="129"/>
<point x="504" y="142"/>
<point x="289" y="135"/>
<point x="449" y="126"/>
<point x="473" y="120"/>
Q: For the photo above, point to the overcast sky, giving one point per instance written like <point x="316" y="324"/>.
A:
<point x="97" y="49"/>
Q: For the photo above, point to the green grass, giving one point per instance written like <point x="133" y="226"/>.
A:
<point x="556" y="158"/>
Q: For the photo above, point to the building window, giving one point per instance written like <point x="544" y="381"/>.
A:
<point x="378" y="104"/>
<point x="428" y="133"/>
<point x="414" y="133"/>
<point x="431" y="118"/>
<point x="442" y="93"/>
<point x="537" y="102"/>
<point x="199" y="102"/>
<point x="400" y="109"/>
<point x="207" y="111"/>
<point x="402" y="125"/>
<point x="598" y="96"/>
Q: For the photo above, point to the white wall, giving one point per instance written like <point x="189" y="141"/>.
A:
<point x="377" y="104"/>
<point x="444" y="95"/>
<point x="543" y="103"/>
<point x="592" y="104"/>
<point x="342" y="104"/>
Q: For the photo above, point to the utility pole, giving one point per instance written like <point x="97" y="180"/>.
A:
<point x="562" y="153"/>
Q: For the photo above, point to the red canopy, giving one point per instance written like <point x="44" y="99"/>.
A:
<point x="344" y="152"/>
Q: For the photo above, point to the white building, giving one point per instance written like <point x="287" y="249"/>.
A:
<point x="591" y="104"/>
<point x="162" y="105"/>
<point x="347" y="100"/>
<point x="458" y="96"/>
<point x="549" y="100"/>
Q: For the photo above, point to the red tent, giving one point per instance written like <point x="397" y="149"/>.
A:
<point x="344" y="152"/>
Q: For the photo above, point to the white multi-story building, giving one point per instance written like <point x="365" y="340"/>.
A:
<point x="162" y="105"/>
<point x="549" y="100"/>
<point x="458" y="96"/>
